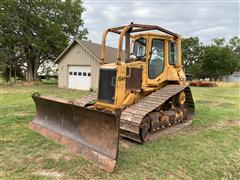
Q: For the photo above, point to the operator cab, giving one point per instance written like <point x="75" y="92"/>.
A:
<point x="155" y="49"/>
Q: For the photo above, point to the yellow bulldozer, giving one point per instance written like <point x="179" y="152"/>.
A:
<point x="140" y="95"/>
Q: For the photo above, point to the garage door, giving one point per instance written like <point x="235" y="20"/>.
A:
<point x="79" y="77"/>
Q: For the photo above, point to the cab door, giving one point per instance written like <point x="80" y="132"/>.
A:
<point x="156" y="61"/>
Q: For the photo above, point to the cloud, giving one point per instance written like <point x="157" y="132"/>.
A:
<point x="206" y="19"/>
<point x="111" y="12"/>
<point x="210" y="30"/>
<point x="142" y="12"/>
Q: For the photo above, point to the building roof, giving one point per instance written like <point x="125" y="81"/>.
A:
<point x="94" y="49"/>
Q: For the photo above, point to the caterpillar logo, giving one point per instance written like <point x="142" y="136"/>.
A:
<point x="122" y="78"/>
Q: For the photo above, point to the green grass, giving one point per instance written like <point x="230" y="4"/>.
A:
<point x="50" y="81"/>
<point x="207" y="149"/>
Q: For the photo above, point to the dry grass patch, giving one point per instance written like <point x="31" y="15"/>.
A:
<point x="50" y="173"/>
<point x="22" y="113"/>
<point x="228" y="84"/>
<point x="227" y="123"/>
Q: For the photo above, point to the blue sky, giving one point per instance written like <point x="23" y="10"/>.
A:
<point x="206" y="19"/>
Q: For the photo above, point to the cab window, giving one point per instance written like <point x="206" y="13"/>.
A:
<point x="139" y="48"/>
<point x="156" y="61"/>
<point x="172" y="51"/>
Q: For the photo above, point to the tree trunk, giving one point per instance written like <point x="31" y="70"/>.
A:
<point x="30" y="71"/>
<point x="15" y="72"/>
<point x="10" y="74"/>
<point x="32" y="68"/>
<point x="35" y="69"/>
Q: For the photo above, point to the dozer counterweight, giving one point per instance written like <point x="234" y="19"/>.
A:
<point x="137" y="98"/>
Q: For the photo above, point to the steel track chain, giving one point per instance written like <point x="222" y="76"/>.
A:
<point x="132" y="116"/>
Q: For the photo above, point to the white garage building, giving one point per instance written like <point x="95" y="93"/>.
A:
<point x="79" y="65"/>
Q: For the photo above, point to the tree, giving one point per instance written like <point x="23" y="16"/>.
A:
<point x="8" y="63"/>
<point x="234" y="44"/>
<point x="218" y="61"/>
<point x="40" y="29"/>
<point x="218" y="41"/>
<point x="192" y="50"/>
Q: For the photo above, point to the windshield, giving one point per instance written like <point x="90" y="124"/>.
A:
<point x="139" y="48"/>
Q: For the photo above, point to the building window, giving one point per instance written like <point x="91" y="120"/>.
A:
<point x="84" y="74"/>
<point x="75" y="73"/>
<point x="70" y="73"/>
<point x="79" y="73"/>
<point x="89" y="74"/>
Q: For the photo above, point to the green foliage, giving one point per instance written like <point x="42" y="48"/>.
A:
<point x="50" y="81"/>
<point x="218" y="41"/>
<point x="213" y="61"/>
<point x="19" y="74"/>
<point x="234" y="44"/>
<point x="192" y="50"/>
<point x="218" y="61"/>
<point x="35" y="31"/>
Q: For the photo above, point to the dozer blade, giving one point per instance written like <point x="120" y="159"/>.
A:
<point x="93" y="134"/>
